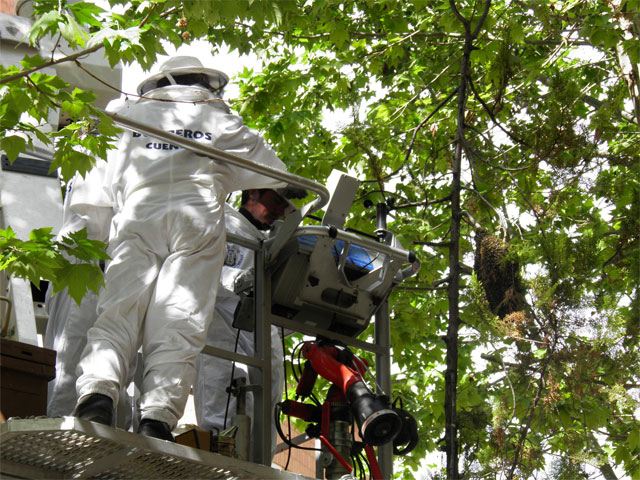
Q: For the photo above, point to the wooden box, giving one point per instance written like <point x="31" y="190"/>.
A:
<point x="25" y="371"/>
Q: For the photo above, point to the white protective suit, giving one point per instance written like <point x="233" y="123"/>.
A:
<point x="166" y="245"/>
<point x="213" y="374"/>
<point x="68" y="322"/>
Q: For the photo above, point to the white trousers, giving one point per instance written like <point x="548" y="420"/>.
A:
<point x="160" y="288"/>
<point x="66" y="333"/>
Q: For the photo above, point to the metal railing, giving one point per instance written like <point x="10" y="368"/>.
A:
<point x="222" y="156"/>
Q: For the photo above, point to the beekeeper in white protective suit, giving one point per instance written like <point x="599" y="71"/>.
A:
<point x="215" y="408"/>
<point x="166" y="244"/>
<point x="87" y="204"/>
<point x="68" y="322"/>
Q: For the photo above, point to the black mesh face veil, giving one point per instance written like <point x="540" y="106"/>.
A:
<point x="189" y="79"/>
<point x="185" y="70"/>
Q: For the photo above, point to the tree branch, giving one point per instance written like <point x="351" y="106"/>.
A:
<point x="531" y="41"/>
<point x="524" y="430"/>
<point x="424" y="122"/>
<point x="492" y="116"/>
<point x="98" y="79"/>
<point x="70" y="58"/>
<point x="420" y="289"/>
<point x="487" y="7"/>
<point x="456" y="12"/>
<point x="423" y="204"/>
<point x="146" y="19"/>
<point x="433" y="244"/>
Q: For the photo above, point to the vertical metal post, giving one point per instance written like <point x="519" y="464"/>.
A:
<point x="243" y="421"/>
<point x="381" y="222"/>
<point x="382" y="334"/>
<point x="262" y="417"/>
<point x="319" y="460"/>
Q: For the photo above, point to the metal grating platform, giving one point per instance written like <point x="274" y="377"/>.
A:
<point x="70" y="448"/>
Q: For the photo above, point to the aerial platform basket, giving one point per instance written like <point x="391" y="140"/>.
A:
<point x="344" y="278"/>
<point x="66" y="447"/>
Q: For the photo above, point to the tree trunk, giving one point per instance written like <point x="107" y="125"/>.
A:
<point x="629" y="22"/>
<point x="453" y="293"/>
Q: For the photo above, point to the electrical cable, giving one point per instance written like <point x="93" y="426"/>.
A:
<point x="233" y="368"/>
<point x="299" y="358"/>
<point x="361" y="268"/>
<point x="366" y="467"/>
<point x="286" y="393"/>
<point x="299" y="362"/>
<point x="370" y="262"/>
<point x="366" y="461"/>
<point x="366" y="367"/>
<point x="355" y="455"/>
<point x="314" y="399"/>
<point x="360" y="455"/>
<point x="293" y="367"/>
<point x="356" y="459"/>
<point x="277" y="412"/>
<point x="286" y="467"/>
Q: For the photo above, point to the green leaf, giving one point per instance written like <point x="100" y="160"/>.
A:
<point x="632" y="48"/>
<point x="70" y="160"/>
<point x="111" y="35"/>
<point x="622" y="454"/>
<point x="633" y="440"/>
<point x="517" y="33"/>
<point x="86" y="13"/>
<point x="43" y="24"/>
<point x="31" y="62"/>
<point x="449" y="22"/>
<point x="339" y="34"/>
<point x="7" y="234"/>
<point x="13" y="145"/>
<point x="565" y="417"/>
<point x="41" y="234"/>
<point x="540" y="353"/>
<point x="81" y="278"/>
<point x="83" y="248"/>
<point x="72" y="32"/>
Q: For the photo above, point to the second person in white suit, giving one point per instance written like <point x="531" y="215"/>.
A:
<point x="166" y="244"/>
<point x="259" y="209"/>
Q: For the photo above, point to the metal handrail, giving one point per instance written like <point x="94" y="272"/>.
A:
<point x="226" y="157"/>
<point x="393" y="252"/>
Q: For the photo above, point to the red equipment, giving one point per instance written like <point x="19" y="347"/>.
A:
<point x="348" y="398"/>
